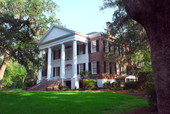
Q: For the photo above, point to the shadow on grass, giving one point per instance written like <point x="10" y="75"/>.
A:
<point x="26" y="102"/>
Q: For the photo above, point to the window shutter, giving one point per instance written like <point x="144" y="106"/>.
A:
<point x="53" y="71"/>
<point x="104" y="45"/>
<point x="114" y="47"/>
<point x="98" y="67"/>
<point x="104" y="66"/>
<point x="120" y="70"/>
<point x="59" y="54"/>
<point x="89" y="47"/>
<point x="78" y="69"/>
<point x="84" y="48"/>
<point x="110" y="65"/>
<point x="78" y="49"/>
<point x="89" y="66"/>
<point x="84" y="66"/>
<point x="54" y="55"/>
<point x="115" y="68"/>
<point x="109" y="46"/>
<point x="97" y="45"/>
<point x="58" y="71"/>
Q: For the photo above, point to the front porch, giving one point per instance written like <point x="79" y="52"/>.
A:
<point x="62" y="56"/>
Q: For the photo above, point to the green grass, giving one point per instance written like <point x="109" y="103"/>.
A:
<point x="25" y="102"/>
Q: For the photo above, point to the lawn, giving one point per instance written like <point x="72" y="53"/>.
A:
<point x="26" y="102"/>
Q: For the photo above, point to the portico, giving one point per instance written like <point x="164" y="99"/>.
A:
<point x="63" y="55"/>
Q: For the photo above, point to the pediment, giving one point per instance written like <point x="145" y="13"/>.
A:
<point x="55" y="32"/>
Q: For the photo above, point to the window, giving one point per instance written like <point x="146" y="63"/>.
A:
<point x="117" y="68"/>
<point x="116" y="50"/>
<point x="94" y="67"/>
<point x="81" y="67"/>
<point x="107" y="46"/>
<point x="56" y="54"/>
<point x="107" y="67"/>
<point x="81" y="49"/>
<point x="93" y="46"/>
<point x="56" y="71"/>
<point x="68" y="54"/>
<point x="124" y="69"/>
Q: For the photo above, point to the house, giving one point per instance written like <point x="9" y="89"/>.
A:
<point x="67" y="53"/>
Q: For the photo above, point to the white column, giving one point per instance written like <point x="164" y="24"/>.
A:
<point x="49" y="69"/>
<point x="87" y="57"/>
<point x="74" y="80"/>
<point x="40" y="70"/>
<point x="62" y="69"/>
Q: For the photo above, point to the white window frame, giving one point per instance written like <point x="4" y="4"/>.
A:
<point x="81" y="67"/>
<point x="106" y="46"/>
<point x="93" y="46"/>
<point x="107" y="68"/>
<point x="94" y="67"/>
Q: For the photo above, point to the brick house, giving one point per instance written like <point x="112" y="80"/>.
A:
<point x="66" y="53"/>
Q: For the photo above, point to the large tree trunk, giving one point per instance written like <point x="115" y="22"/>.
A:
<point x="3" y="67"/>
<point x="155" y="17"/>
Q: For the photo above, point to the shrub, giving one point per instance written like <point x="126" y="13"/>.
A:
<point x="107" y="85"/>
<point x="65" y="88"/>
<point x="88" y="84"/>
<point x="115" y="85"/>
<point x="131" y="85"/>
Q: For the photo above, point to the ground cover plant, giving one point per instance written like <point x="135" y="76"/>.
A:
<point x="26" y="102"/>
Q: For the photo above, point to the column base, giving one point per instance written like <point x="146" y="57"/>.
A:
<point x="62" y="82"/>
<point x="74" y="83"/>
<point x="38" y="81"/>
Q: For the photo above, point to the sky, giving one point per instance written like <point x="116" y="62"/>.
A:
<point x="83" y="16"/>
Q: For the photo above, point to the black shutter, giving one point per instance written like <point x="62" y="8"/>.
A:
<point x="78" y="69"/>
<point x="104" y="45"/>
<point x="104" y="66"/>
<point x="84" y="66"/>
<point x="89" y="66"/>
<point x="98" y="67"/>
<point x="84" y="48"/>
<point x="97" y="45"/>
<point x="110" y="65"/>
<point x="59" y="54"/>
<point x="120" y="70"/>
<point x="54" y="55"/>
<point x="109" y="46"/>
<point x="53" y="71"/>
<point x="89" y="47"/>
<point x="114" y="49"/>
<point x="58" y="71"/>
<point x="78" y="49"/>
<point x="115" y="69"/>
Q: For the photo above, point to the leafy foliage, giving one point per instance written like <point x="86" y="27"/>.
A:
<point x="88" y="84"/>
<point x="14" y="76"/>
<point x="126" y="34"/>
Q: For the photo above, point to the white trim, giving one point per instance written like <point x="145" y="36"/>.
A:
<point x="92" y="67"/>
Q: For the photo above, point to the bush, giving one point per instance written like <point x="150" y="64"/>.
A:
<point x="107" y="85"/>
<point x="115" y="85"/>
<point x="131" y="85"/>
<point x="65" y="88"/>
<point x="88" y="84"/>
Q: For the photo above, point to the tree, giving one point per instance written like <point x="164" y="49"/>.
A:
<point x="154" y="17"/>
<point x="21" y="22"/>
<point x="127" y="35"/>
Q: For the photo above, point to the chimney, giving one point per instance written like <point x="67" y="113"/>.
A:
<point x="108" y="25"/>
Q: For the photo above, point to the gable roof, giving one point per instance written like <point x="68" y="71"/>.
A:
<point x="69" y="32"/>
